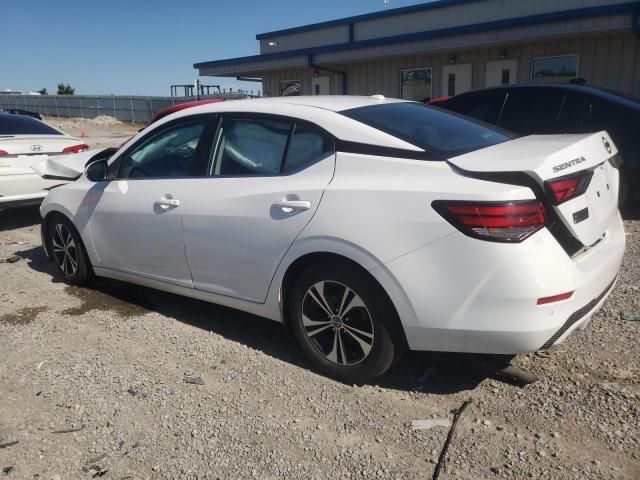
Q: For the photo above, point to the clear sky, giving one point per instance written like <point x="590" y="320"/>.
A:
<point x="141" y="47"/>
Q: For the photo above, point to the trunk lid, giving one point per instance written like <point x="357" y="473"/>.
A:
<point x="36" y="144"/>
<point x="545" y="158"/>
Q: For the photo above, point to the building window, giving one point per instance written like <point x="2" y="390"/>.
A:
<point x="415" y="84"/>
<point x="506" y="76"/>
<point x="290" y="88"/>
<point x="554" y="69"/>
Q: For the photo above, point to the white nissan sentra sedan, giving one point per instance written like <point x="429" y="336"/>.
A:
<point x="369" y="225"/>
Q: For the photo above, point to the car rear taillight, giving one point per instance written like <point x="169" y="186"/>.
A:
<point x="565" y="188"/>
<point x="2" y="152"/>
<point x="83" y="147"/>
<point x="509" y="222"/>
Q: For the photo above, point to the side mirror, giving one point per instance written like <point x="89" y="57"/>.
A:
<point x="97" y="171"/>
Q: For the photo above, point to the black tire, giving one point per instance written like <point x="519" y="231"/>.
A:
<point x="358" y="357"/>
<point x="67" y="251"/>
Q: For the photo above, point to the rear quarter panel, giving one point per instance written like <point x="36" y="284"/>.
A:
<point x="377" y="209"/>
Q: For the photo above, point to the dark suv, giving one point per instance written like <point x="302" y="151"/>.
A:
<point x="562" y="108"/>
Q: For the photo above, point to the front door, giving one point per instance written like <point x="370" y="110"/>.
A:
<point x="321" y="85"/>
<point x="501" y="72"/>
<point x="456" y="79"/>
<point x="136" y="222"/>
<point x="266" y="180"/>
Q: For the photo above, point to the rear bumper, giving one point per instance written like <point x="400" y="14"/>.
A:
<point x="474" y="296"/>
<point x="22" y="200"/>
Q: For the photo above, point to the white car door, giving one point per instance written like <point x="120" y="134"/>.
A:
<point x="266" y="181"/>
<point x="136" y="219"/>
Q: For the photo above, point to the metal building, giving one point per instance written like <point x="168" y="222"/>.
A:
<point x="449" y="46"/>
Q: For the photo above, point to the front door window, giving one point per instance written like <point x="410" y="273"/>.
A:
<point x="170" y="153"/>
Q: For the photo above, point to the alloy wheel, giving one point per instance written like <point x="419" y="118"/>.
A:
<point x="337" y="323"/>
<point x="65" y="251"/>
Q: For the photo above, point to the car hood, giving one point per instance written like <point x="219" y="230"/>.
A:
<point x="68" y="167"/>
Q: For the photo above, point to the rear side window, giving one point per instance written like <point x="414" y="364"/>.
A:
<point x="250" y="147"/>
<point x="485" y="106"/>
<point x="307" y="145"/>
<point x="23" y="125"/>
<point x="532" y="110"/>
<point x="434" y="130"/>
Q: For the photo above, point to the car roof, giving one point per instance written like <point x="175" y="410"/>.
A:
<point x="610" y="95"/>
<point x="27" y="121"/>
<point x="323" y="111"/>
<point x="334" y="103"/>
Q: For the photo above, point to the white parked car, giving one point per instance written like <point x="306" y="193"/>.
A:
<point x="369" y="225"/>
<point x="24" y="143"/>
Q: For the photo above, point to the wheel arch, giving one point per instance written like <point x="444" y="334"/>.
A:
<point x="46" y="221"/>
<point x="376" y="272"/>
<point x="44" y="226"/>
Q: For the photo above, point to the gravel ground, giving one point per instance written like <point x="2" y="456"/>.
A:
<point x="96" y="383"/>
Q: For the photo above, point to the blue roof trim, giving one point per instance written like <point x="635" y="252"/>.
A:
<point x="367" y="16"/>
<point x="459" y="30"/>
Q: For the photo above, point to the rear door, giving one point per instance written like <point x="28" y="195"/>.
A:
<point x="266" y="180"/>
<point x="136" y="223"/>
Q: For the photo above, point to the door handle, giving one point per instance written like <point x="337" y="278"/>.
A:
<point x="168" y="202"/>
<point x="288" y="206"/>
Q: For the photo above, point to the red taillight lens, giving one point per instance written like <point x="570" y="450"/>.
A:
<point x="2" y="152"/>
<point x="555" y="298"/>
<point x="565" y="188"/>
<point x="509" y="222"/>
<point x="83" y="147"/>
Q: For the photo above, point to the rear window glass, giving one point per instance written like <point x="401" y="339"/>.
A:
<point x="23" y="125"/>
<point x="432" y="129"/>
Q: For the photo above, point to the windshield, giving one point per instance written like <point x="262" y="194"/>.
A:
<point x="22" y="125"/>
<point x="445" y="133"/>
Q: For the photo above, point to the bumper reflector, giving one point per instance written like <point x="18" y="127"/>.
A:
<point x="555" y="298"/>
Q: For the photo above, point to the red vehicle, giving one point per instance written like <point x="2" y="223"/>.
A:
<point x="176" y="108"/>
<point x="439" y="100"/>
<point x="181" y="106"/>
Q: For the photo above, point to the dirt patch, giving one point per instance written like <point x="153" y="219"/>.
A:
<point x="123" y="301"/>
<point x="22" y="316"/>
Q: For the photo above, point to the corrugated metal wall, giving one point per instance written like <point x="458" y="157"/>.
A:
<point x="314" y="38"/>
<point x="610" y="61"/>
<point x="420" y="21"/>
<point x="476" y="12"/>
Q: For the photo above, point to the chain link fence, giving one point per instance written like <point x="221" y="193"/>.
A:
<point x="134" y="109"/>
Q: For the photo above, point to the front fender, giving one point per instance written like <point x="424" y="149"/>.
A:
<point x="74" y="202"/>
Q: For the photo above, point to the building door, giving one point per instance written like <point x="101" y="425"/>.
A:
<point x="501" y="72"/>
<point x="321" y="85"/>
<point x="456" y="79"/>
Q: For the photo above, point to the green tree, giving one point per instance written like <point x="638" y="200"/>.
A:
<point x="65" y="89"/>
<point x="43" y="91"/>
